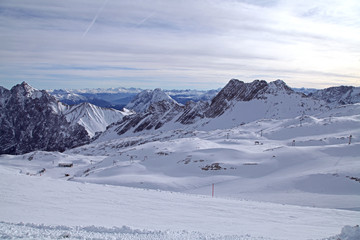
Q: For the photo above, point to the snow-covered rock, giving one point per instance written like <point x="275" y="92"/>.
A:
<point x="184" y="96"/>
<point x="305" y="91"/>
<point x="110" y="97"/>
<point x="242" y="103"/>
<point x="146" y="98"/>
<point x="67" y="95"/>
<point x="32" y="120"/>
<point x="235" y="104"/>
<point x="338" y="95"/>
<point x="157" y="114"/>
<point x="93" y="118"/>
<point x="238" y="91"/>
<point x="193" y="111"/>
<point x="120" y="97"/>
<point x="348" y="233"/>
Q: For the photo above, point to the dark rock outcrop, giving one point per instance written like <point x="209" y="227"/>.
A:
<point x="32" y="120"/>
<point x="155" y="117"/>
<point x="193" y="111"/>
<point x="237" y="90"/>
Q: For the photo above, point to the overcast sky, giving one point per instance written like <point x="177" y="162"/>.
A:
<point x="178" y="44"/>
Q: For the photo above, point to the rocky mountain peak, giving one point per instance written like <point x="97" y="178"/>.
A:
<point x="146" y="98"/>
<point x="278" y="86"/>
<point x="30" y="120"/>
<point x="235" y="90"/>
<point x="24" y="90"/>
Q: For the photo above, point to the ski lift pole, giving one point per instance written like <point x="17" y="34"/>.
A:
<point x="212" y="188"/>
<point x="350" y="139"/>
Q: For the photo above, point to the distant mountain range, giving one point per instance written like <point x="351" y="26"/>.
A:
<point x="338" y="95"/>
<point x="118" y="98"/>
<point x="36" y="120"/>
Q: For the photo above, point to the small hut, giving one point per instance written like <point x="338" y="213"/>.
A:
<point x="65" y="165"/>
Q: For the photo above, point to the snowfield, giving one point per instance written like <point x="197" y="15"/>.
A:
<point x="288" y="178"/>
<point x="57" y="203"/>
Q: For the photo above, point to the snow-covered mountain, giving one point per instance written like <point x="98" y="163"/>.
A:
<point x="193" y="171"/>
<point x="119" y="97"/>
<point x="155" y="108"/>
<point x="67" y="96"/>
<point x="338" y="95"/>
<point x="146" y="98"/>
<point x="111" y="97"/>
<point x="184" y="96"/>
<point x="237" y="103"/>
<point x="33" y="120"/>
<point x="305" y="91"/>
<point x="93" y="118"/>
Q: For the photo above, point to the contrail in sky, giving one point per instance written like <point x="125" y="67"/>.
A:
<point x="145" y="19"/>
<point x="94" y="20"/>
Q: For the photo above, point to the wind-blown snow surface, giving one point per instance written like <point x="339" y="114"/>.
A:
<point x="54" y="202"/>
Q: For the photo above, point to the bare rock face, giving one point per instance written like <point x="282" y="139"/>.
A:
<point x="237" y="90"/>
<point x="32" y="120"/>
<point x="193" y="111"/>
<point x="234" y="90"/>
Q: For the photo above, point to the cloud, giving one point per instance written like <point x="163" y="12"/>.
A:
<point x="205" y="43"/>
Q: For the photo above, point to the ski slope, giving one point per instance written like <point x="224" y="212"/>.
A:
<point x="63" y="205"/>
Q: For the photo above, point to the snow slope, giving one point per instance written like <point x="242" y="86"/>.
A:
<point x="243" y="162"/>
<point x="53" y="202"/>
<point x="93" y="118"/>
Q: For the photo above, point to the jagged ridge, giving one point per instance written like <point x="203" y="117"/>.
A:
<point x="146" y="98"/>
<point x="32" y="120"/>
<point x="93" y="118"/>
<point x="338" y="95"/>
